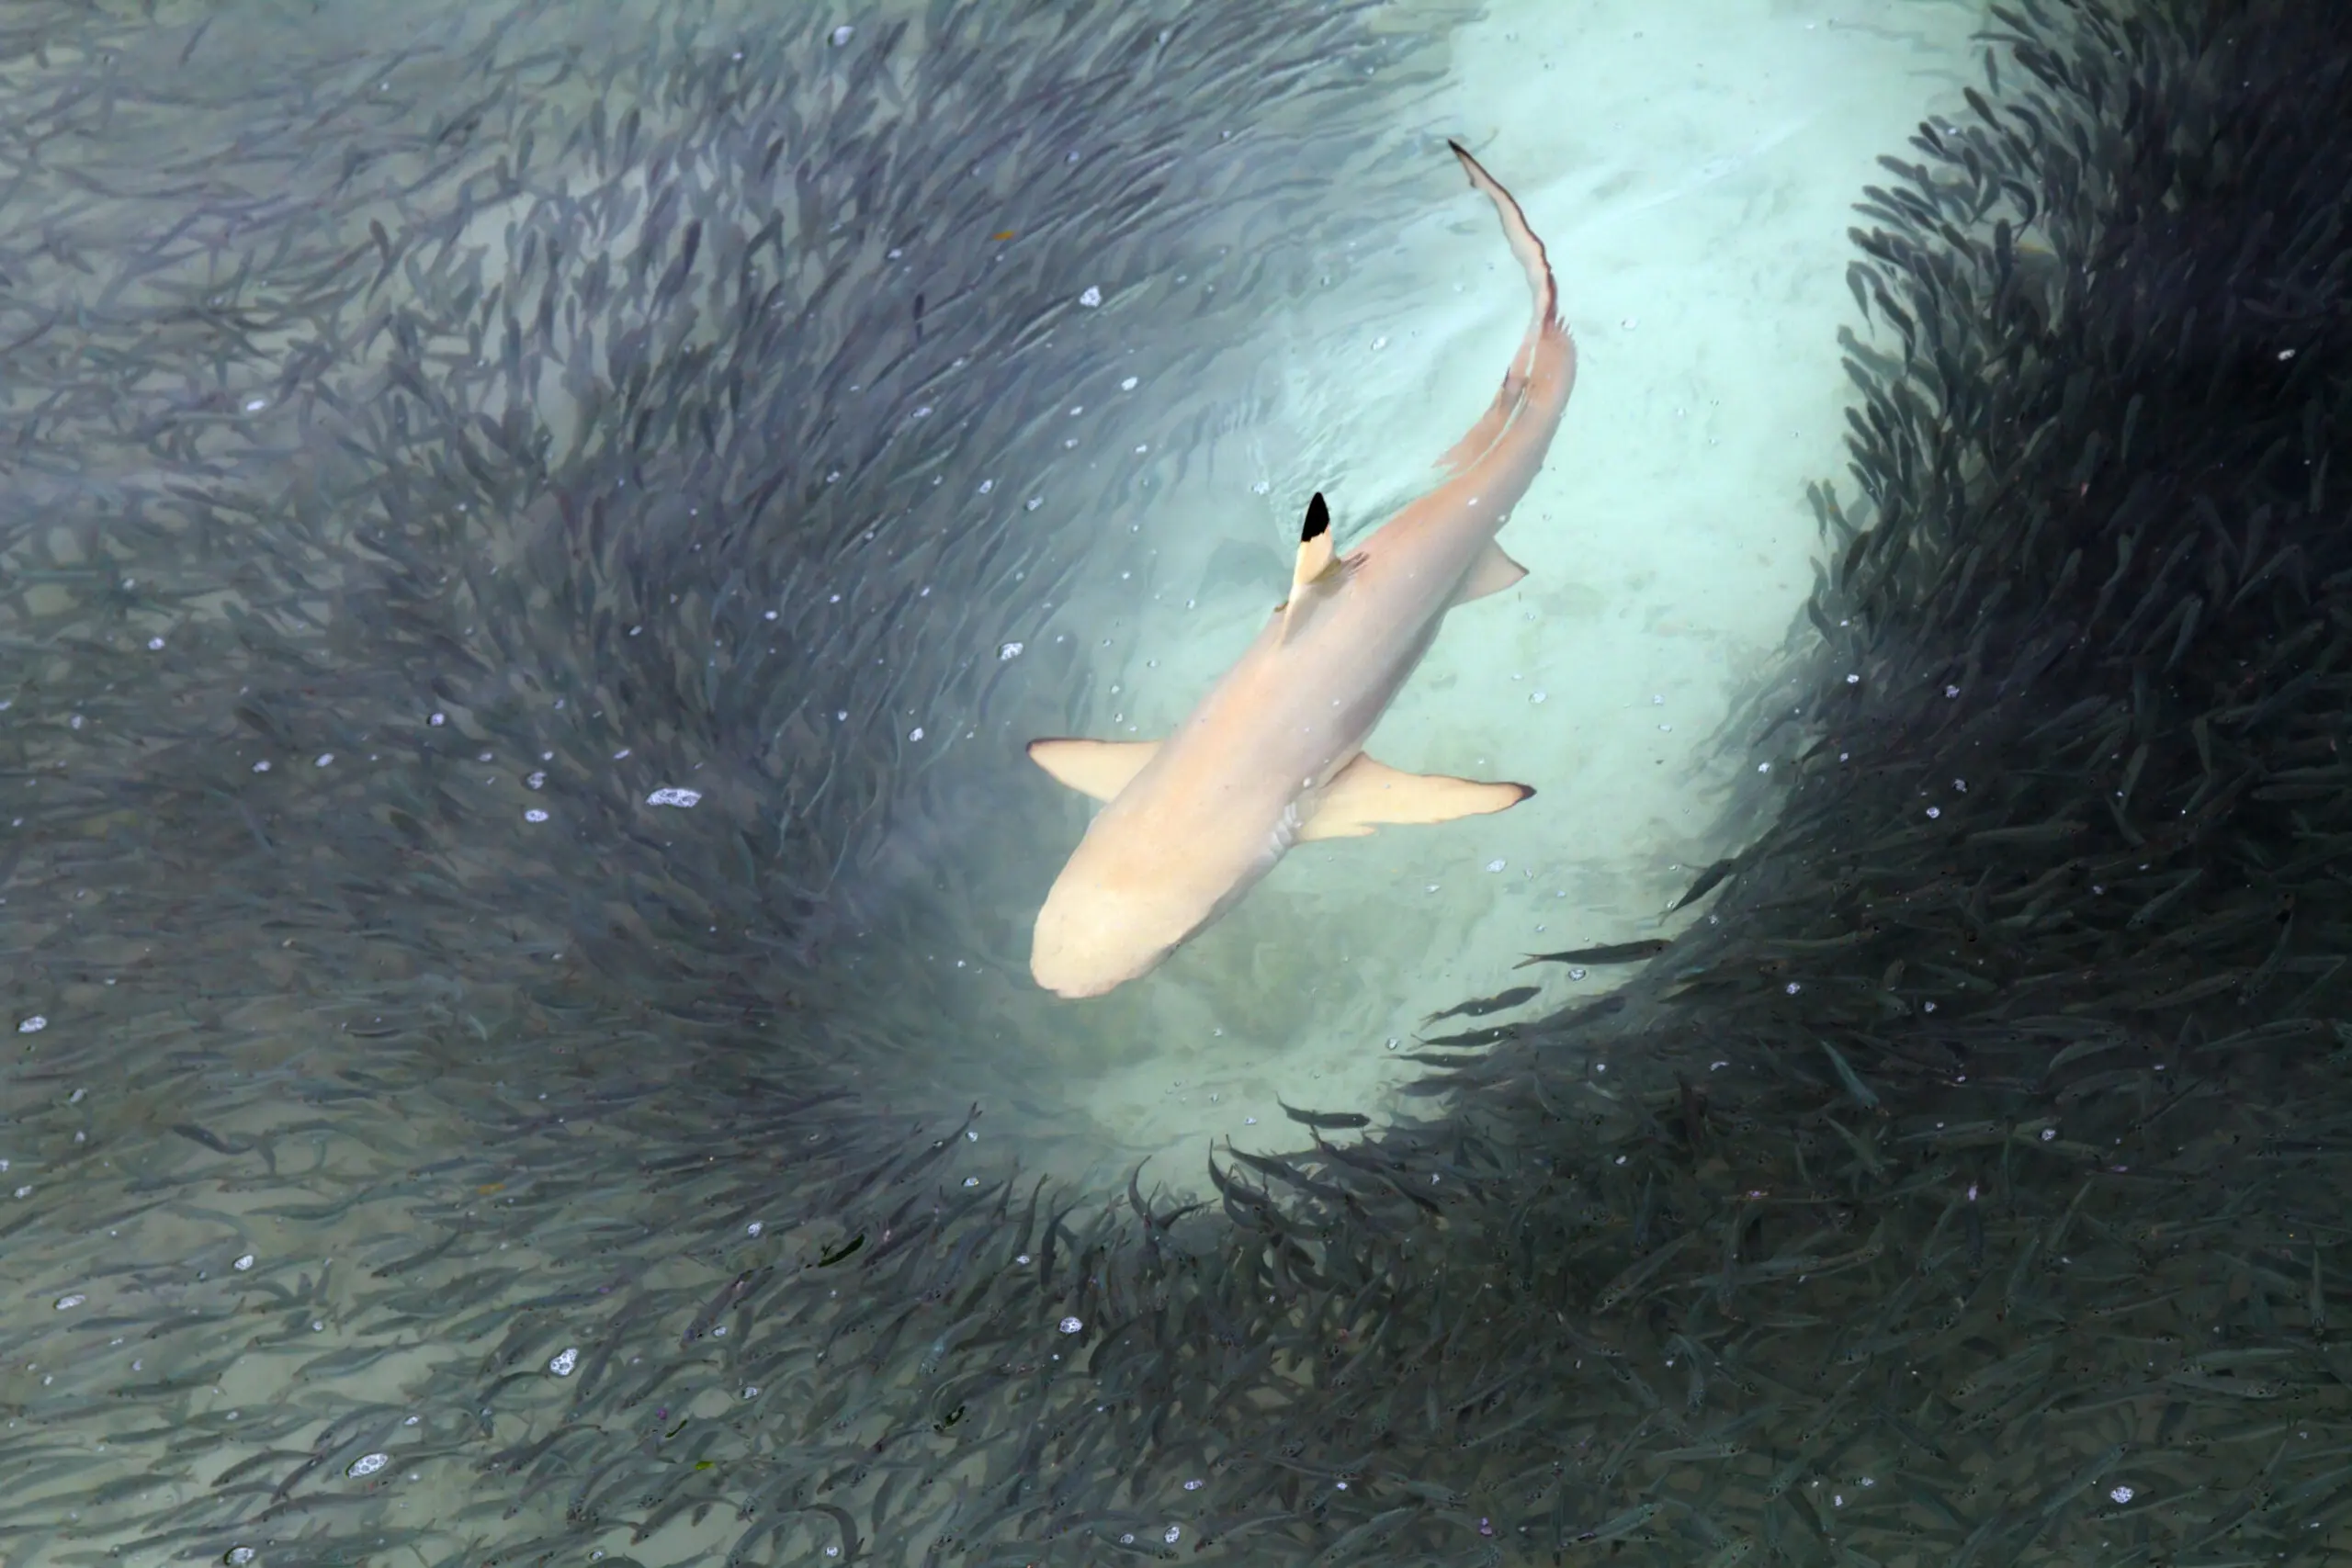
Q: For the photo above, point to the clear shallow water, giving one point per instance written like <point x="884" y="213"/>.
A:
<point x="1699" y="238"/>
<point x="424" y="1142"/>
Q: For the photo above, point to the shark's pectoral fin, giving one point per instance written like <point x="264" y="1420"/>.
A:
<point x="1315" y="563"/>
<point x="1097" y="768"/>
<point x="1494" y="573"/>
<point x="1366" y="795"/>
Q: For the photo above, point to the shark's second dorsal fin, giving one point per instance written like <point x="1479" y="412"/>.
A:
<point x="1489" y="429"/>
<point x="1366" y="795"/>
<point x="1097" y="768"/>
<point x="1313" y="558"/>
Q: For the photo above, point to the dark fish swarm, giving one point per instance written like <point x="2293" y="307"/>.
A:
<point x="1967" y="1187"/>
<point x="419" y="452"/>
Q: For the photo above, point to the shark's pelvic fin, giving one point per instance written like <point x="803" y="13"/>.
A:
<point x="1314" y="558"/>
<point x="1366" y="795"/>
<point x="1097" y="768"/>
<point x="1493" y="572"/>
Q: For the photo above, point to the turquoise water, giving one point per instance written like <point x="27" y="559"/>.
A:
<point x="535" y="537"/>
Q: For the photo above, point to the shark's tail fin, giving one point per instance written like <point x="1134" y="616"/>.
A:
<point x="1546" y="324"/>
<point x="1523" y="243"/>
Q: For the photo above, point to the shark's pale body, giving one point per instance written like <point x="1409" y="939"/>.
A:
<point x="1274" y="752"/>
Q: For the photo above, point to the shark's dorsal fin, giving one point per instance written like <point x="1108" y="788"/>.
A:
<point x="1097" y="768"/>
<point x="1366" y="795"/>
<point x="1493" y="572"/>
<point x="1313" y="558"/>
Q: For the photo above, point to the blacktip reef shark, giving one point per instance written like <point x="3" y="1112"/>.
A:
<point x="1273" y="755"/>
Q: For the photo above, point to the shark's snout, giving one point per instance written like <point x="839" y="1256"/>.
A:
<point x="1090" y="940"/>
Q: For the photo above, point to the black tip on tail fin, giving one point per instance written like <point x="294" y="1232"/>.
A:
<point x="1318" y="520"/>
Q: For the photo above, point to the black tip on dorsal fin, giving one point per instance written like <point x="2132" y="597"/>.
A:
<point x="1318" y="520"/>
